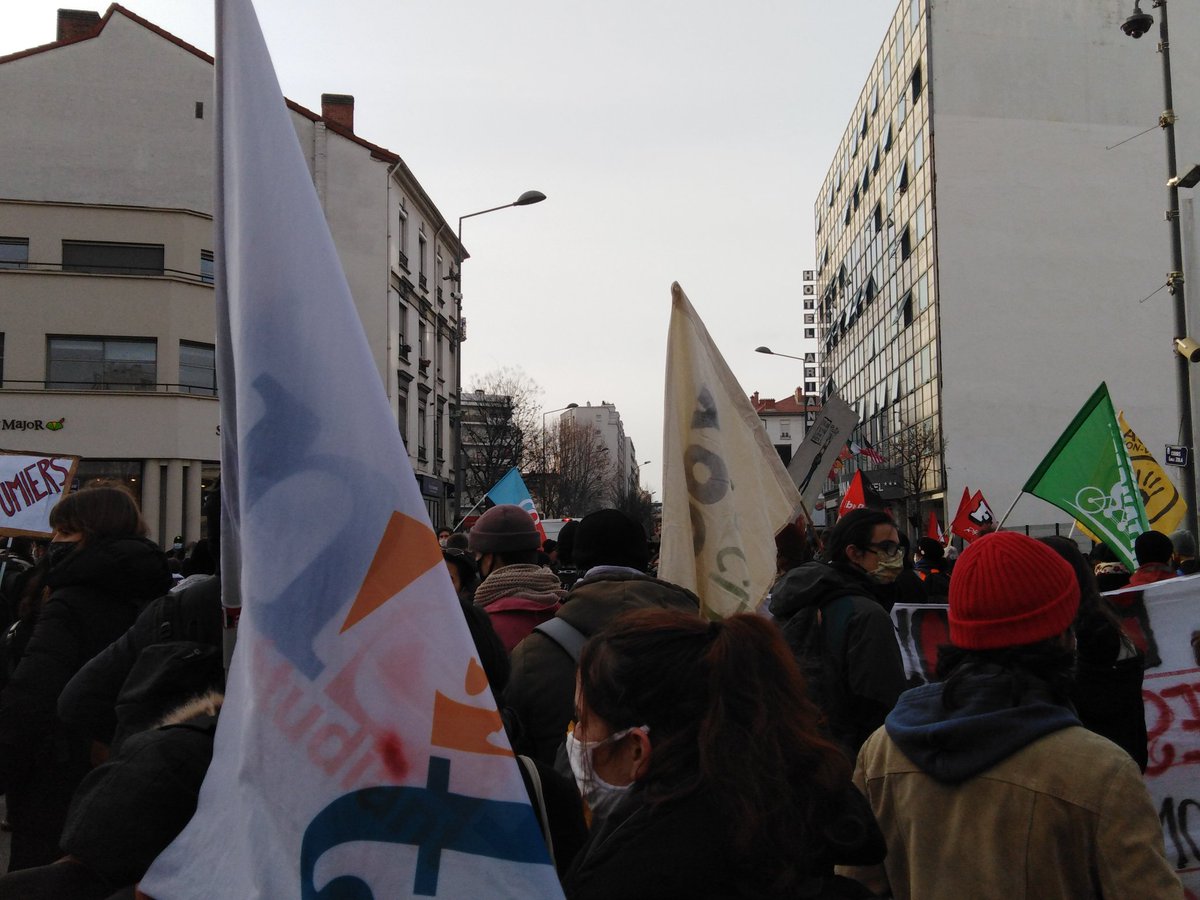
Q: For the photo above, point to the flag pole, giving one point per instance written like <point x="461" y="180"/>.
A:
<point x="467" y="513"/>
<point x="1010" y="509"/>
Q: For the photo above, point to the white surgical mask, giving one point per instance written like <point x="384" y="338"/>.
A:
<point x="600" y="796"/>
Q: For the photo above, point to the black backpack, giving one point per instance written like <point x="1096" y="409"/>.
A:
<point x="817" y="638"/>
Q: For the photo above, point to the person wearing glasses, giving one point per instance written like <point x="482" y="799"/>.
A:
<point x="842" y="637"/>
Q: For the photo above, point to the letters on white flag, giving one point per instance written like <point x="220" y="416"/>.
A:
<point x="726" y="493"/>
<point x="359" y="750"/>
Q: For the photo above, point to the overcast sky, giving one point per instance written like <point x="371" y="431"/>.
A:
<point x="676" y="140"/>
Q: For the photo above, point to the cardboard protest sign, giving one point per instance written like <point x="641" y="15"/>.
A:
<point x="1162" y="619"/>
<point x="30" y="485"/>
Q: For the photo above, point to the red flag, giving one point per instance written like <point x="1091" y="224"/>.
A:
<point x="841" y="460"/>
<point x="974" y="517"/>
<point x="856" y="497"/>
<point x="934" y="529"/>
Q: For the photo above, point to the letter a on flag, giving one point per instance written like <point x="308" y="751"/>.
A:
<point x="726" y="493"/>
<point x="359" y="751"/>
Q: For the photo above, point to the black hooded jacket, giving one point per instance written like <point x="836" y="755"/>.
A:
<point x="859" y="636"/>
<point x="95" y="594"/>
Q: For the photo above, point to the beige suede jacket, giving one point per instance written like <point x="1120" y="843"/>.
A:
<point x="1068" y="817"/>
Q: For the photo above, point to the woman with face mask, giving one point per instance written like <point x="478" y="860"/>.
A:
<point x="102" y="571"/>
<point x="698" y="743"/>
<point x="842" y="637"/>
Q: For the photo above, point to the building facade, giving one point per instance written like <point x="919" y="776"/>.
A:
<point x="786" y="420"/>
<point x="606" y="421"/>
<point x="106" y="265"/>
<point x="981" y="252"/>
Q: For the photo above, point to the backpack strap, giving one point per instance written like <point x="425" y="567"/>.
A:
<point x="535" y="779"/>
<point x="566" y="635"/>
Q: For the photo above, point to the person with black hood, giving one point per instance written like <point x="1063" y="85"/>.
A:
<point x="103" y="569"/>
<point x="985" y="784"/>
<point x="842" y="637"/>
<point x="611" y="550"/>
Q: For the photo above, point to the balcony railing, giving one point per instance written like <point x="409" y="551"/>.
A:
<point x="123" y="387"/>
<point x="120" y="271"/>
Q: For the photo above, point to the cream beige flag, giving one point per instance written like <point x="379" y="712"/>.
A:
<point x="726" y="493"/>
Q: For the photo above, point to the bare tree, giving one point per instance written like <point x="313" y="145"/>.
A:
<point x="500" y="420"/>
<point x="577" y="476"/>
<point x="638" y="504"/>
<point x="916" y="451"/>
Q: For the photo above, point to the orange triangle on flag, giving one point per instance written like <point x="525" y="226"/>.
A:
<point x="407" y="551"/>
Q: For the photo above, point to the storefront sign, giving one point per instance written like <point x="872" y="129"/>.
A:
<point x="32" y="424"/>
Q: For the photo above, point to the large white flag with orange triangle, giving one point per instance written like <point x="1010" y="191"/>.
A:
<point x="359" y="752"/>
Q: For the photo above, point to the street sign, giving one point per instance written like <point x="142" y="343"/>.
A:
<point x="1177" y="455"/>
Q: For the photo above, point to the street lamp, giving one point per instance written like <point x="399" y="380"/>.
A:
<point x="1135" y="26"/>
<point x="526" y="199"/>
<point x="545" y="457"/>
<point x="770" y="352"/>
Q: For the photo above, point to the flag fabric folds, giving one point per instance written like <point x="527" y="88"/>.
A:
<point x="359" y="751"/>
<point x="934" y="528"/>
<point x="726" y="493"/>
<point x="972" y="517"/>
<point x="511" y="489"/>
<point x="1087" y="474"/>
<point x="856" y="496"/>
<point x="1165" y="506"/>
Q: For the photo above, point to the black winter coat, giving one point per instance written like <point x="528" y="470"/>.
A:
<point x="89" y="700"/>
<point x="95" y="594"/>
<point x="867" y="657"/>
<point x="541" y="688"/>
<point x="683" y="850"/>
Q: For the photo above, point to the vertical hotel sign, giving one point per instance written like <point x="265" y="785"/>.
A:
<point x="30" y="485"/>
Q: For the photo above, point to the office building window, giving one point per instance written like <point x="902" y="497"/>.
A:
<point x="914" y="14"/>
<point x="101" y="363"/>
<point x="197" y="368"/>
<point x="422" y="246"/>
<point x="918" y="150"/>
<point x="402" y="336"/>
<point x="916" y="83"/>
<point x="922" y="292"/>
<point x="14" y="252"/>
<point x="919" y="223"/>
<point x="906" y="244"/>
<point x="402" y="239"/>
<point x="109" y="258"/>
<point x="207" y="269"/>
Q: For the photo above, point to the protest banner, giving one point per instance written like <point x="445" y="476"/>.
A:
<point x="30" y="484"/>
<point x="511" y="489"/>
<point x="1087" y="474"/>
<point x="359" y="751"/>
<point x="823" y="443"/>
<point x="1164" y="619"/>
<point x="726" y="493"/>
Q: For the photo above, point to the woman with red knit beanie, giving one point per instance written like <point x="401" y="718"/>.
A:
<point x="985" y="784"/>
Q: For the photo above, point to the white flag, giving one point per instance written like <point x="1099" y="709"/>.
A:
<point x="359" y="752"/>
<point x="726" y="493"/>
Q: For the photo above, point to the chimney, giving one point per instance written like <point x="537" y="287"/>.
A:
<point x="76" y="24"/>
<point x="800" y="395"/>
<point x="754" y="399"/>
<point x="339" y="109"/>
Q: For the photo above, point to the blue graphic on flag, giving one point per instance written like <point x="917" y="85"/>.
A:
<point x="432" y="818"/>
<point x="511" y="489"/>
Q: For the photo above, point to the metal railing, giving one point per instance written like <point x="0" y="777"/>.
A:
<point x="125" y="271"/>
<point x="118" y="387"/>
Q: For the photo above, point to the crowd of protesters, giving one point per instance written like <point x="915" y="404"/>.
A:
<point x="776" y="754"/>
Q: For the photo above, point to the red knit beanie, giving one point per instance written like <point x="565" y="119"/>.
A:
<point x="1008" y="590"/>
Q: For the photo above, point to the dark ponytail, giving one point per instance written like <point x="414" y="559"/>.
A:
<point x="728" y="714"/>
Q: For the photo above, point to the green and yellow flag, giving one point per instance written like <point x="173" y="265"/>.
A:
<point x="1088" y="475"/>
<point x="1165" y="507"/>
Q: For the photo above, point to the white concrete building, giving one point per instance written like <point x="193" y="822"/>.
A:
<point x="106" y="267"/>
<point x="786" y="420"/>
<point x="988" y="230"/>
<point x="605" y="419"/>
